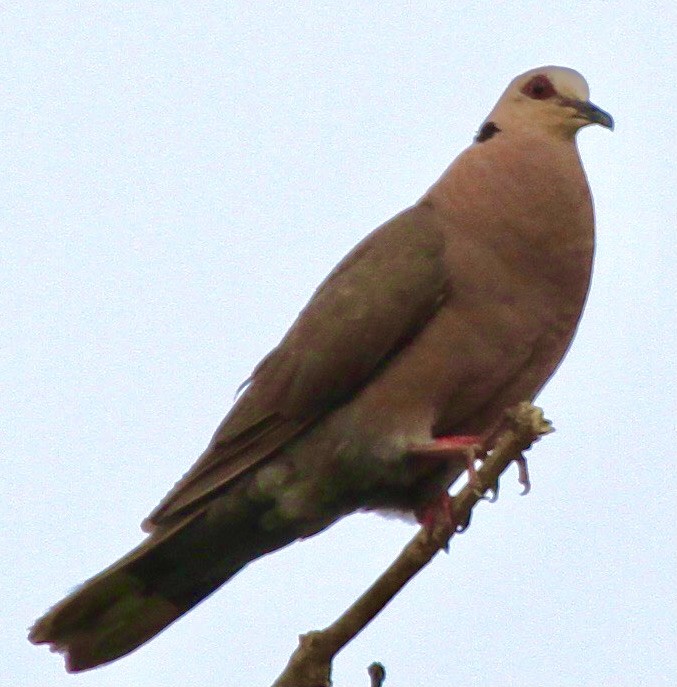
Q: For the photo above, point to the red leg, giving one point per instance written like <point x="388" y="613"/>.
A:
<point x="440" y="511"/>
<point x="468" y="447"/>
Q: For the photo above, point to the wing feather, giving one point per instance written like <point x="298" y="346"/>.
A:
<point x="371" y="306"/>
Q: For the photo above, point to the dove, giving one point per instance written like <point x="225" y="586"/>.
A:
<point x="417" y="343"/>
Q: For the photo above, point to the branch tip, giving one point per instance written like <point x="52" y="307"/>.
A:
<point x="377" y="674"/>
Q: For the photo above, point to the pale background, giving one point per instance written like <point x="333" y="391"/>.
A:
<point x="176" y="179"/>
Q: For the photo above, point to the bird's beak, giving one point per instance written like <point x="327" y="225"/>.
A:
<point x="590" y="113"/>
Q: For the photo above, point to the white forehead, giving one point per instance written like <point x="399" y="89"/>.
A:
<point x="567" y="82"/>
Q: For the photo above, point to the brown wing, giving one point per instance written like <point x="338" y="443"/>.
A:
<point x="372" y="304"/>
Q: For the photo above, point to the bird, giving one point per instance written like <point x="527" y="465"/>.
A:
<point x="435" y="324"/>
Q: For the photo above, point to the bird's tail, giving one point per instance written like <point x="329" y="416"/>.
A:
<point x="164" y="577"/>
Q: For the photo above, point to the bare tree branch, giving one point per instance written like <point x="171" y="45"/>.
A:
<point x="310" y="664"/>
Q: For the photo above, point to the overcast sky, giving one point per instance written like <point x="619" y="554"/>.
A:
<point x="176" y="180"/>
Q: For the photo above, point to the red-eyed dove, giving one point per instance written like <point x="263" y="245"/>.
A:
<point x="453" y="311"/>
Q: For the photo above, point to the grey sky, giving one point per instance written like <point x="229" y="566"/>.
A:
<point x="176" y="181"/>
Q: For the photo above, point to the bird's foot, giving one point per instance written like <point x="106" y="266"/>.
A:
<point x="439" y="519"/>
<point x="523" y="474"/>
<point x="467" y="447"/>
<point x="436" y="512"/>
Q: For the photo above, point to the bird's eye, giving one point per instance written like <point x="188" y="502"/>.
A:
<point x="539" y="88"/>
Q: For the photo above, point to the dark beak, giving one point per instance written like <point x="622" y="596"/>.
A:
<point x="591" y="113"/>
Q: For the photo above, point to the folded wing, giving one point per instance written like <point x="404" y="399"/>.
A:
<point x="371" y="306"/>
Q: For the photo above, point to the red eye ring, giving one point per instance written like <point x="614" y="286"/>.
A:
<point x="539" y="88"/>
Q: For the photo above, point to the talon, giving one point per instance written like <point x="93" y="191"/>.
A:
<point x="494" y="489"/>
<point x="461" y="528"/>
<point x="523" y="474"/>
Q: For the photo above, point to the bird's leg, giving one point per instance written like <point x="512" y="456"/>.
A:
<point x="438" y="519"/>
<point x="469" y="447"/>
<point x="438" y="515"/>
<point x="439" y="511"/>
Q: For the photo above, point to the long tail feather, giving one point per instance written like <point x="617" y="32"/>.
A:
<point x="137" y="597"/>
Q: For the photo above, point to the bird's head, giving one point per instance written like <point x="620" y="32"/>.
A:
<point x="553" y="99"/>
